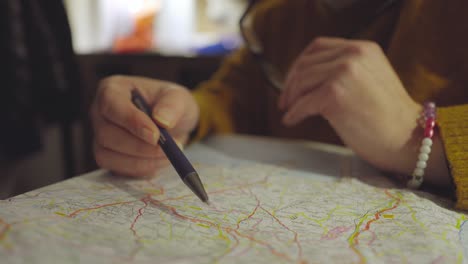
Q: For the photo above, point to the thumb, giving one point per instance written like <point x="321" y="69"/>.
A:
<point x="173" y="109"/>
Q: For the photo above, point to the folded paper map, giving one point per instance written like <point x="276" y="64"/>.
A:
<point x="259" y="213"/>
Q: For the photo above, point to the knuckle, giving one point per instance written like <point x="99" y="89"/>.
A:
<point x="318" y="42"/>
<point x="361" y="48"/>
<point x="110" y="81"/>
<point x="335" y="91"/>
<point x="106" y="86"/>
<point x="348" y="67"/>
<point x="181" y="92"/>
<point x="132" y="120"/>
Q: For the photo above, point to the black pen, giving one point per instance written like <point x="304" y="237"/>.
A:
<point x="177" y="158"/>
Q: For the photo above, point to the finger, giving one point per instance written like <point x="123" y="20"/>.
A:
<point x="301" y="71"/>
<point x="310" y="80"/>
<point x="321" y="57"/>
<point x="324" y="43"/>
<point x="117" y="139"/>
<point x="311" y="104"/>
<point x="127" y="164"/>
<point x="115" y="105"/>
<point x="171" y="110"/>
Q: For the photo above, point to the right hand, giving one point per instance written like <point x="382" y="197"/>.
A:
<point x="126" y="139"/>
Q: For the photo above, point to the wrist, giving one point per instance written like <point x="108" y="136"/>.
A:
<point x="437" y="172"/>
<point x="425" y="154"/>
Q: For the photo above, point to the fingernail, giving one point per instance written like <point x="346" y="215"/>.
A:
<point x="149" y="136"/>
<point x="164" y="116"/>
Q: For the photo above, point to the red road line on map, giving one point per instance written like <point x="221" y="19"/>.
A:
<point x="335" y="232"/>
<point x="242" y="186"/>
<point x="140" y="213"/>
<point x="5" y="229"/>
<point x="175" y="213"/>
<point x="373" y="238"/>
<point x="377" y="216"/>
<point x="256" y="224"/>
<point x="368" y="224"/>
<point x="75" y="213"/>
<point x="296" y="240"/>
<point x="361" y="257"/>
<point x="211" y="224"/>
<point x="230" y="249"/>
<point x="272" y="250"/>
<point x="251" y="214"/>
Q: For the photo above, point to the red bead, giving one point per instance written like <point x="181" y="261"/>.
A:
<point x="428" y="132"/>
<point x="430" y="122"/>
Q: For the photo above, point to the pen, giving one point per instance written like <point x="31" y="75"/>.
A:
<point x="177" y="158"/>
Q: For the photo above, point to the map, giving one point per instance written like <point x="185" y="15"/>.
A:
<point x="259" y="213"/>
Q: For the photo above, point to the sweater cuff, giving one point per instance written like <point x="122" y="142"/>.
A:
<point x="453" y="126"/>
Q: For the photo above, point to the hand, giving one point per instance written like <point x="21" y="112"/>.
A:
<point x="352" y="85"/>
<point x="126" y="139"/>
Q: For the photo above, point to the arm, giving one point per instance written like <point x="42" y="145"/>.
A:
<point x="453" y="127"/>
<point x="232" y="100"/>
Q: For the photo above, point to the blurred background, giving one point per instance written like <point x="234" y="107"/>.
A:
<point x="55" y="52"/>
<point x="189" y="27"/>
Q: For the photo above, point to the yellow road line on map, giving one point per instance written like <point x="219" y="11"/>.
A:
<point x="273" y="212"/>
<point x="195" y="207"/>
<point x="388" y="216"/>
<point x="312" y="219"/>
<point x="152" y="191"/>
<point x="61" y="214"/>
<point x="460" y="257"/>
<point x="459" y="220"/>
<point x="404" y="229"/>
<point x="202" y="225"/>
<point x="169" y="224"/>
<point x="170" y="231"/>
<point x="416" y="220"/>
<point x="7" y="246"/>
<point x="222" y="236"/>
<point x="356" y="229"/>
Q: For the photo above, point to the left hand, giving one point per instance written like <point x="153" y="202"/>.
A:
<point x="352" y="85"/>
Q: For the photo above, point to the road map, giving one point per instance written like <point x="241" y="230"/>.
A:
<point x="259" y="213"/>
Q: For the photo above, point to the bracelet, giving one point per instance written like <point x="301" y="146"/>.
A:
<point x="428" y="121"/>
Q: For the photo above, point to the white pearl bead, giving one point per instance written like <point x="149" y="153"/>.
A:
<point x="427" y="142"/>
<point x="423" y="157"/>
<point x="418" y="172"/>
<point x="413" y="184"/>
<point x="425" y="149"/>
<point x="421" y="164"/>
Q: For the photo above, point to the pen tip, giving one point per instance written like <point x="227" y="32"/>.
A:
<point x="194" y="183"/>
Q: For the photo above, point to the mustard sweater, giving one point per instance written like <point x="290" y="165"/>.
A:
<point x="425" y="40"/>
